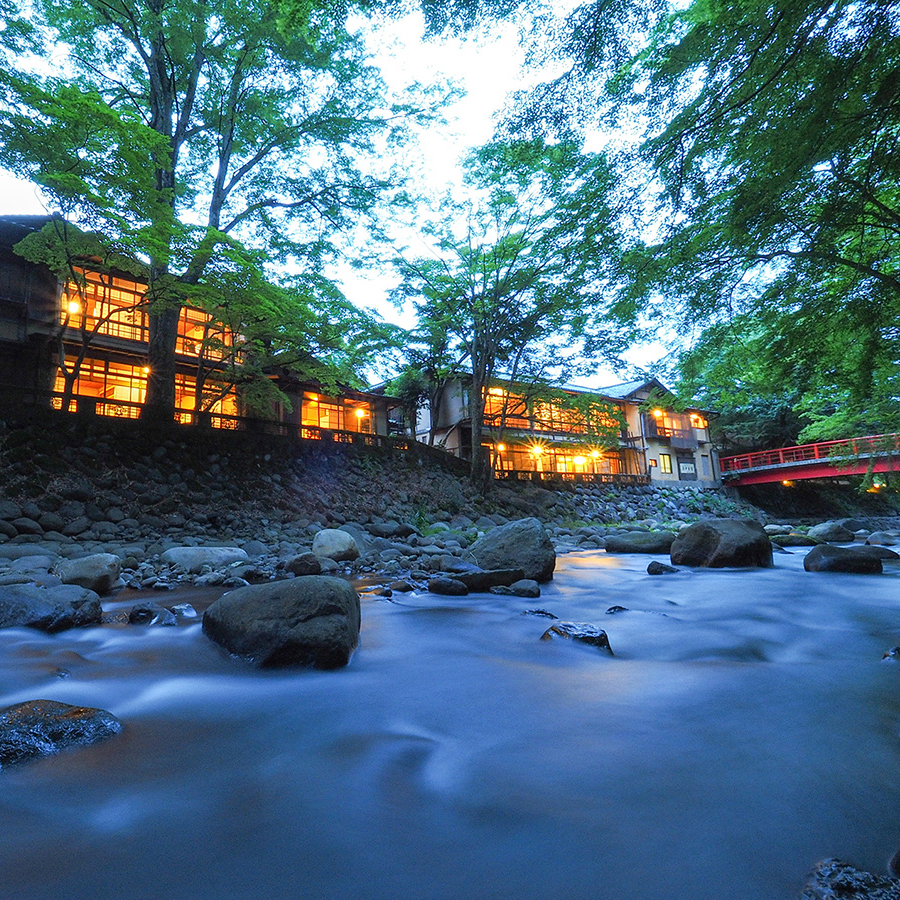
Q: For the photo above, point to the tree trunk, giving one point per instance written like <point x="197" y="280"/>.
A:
<point x="480" y="471"/>
<point x="159" y="405"/>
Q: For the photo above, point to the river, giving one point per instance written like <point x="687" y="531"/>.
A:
<point x="746" y="728"/>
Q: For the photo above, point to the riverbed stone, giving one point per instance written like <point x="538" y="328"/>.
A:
<point x="97" y="572"/>
<point x="832" y="532"/>
<point x="720" y="543"/>
<point x="658" y="568"/>
<point x="834" y="879"/>
<point x="304" y="564"/>
<point x="193" y="559"/>
<point x="640" y="542"/>
<point x="311" y="620"/>
<point x="333" y="543"/>
<point x="826" y="558"/>
<point x="579" y="631"/>
<point x="51" y="609"/>
<point x="449" y="587"/>
<point x="43" y="727"/>
<point x="884" y="538"/>
<point x="879" y="552"/>
<point x="794" y="539"/>
<point x="151" y="613"/>
<point x="485" y="580"/>
<point x="523" y="544"/>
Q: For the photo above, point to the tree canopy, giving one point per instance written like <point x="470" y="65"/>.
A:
<point x="769" y="133"/>
<point x="517" y="283"/>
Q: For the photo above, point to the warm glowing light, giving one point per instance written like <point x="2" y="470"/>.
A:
<point x="595" y="453"/>
<point x="146" y="370"/>
<point x="501" y="448"/>
<point x="74" y="307"/>
<point x="497" y="392"/>
<point x="579" y="460"/>
<point x="537" y="450"/>
<point x="360" y="413"/>
<point x="787" y="483"/>
<point x="657" y="413"/>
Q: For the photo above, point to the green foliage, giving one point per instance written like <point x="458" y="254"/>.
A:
<point x="184" y="132"/>
<point x="521" y="291"/>
<point x="769" y="166"/>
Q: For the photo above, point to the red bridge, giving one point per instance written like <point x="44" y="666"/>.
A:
<point x="827" y="459"/>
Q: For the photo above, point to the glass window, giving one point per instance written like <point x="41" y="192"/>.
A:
<point x="665" y="463"/>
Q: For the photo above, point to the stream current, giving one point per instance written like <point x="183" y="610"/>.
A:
<point x="746" y="728"/>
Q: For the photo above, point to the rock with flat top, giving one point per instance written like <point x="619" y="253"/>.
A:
<point x="640" y="542"/>
<point x="48" y="609"/>
<point x="832" y="532"/>
<point x="826" y="558"/>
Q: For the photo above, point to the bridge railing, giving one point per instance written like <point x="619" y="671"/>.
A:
<point x="848" y="448"/>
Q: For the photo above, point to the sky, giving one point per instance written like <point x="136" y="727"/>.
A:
<point x="486" y="66"/>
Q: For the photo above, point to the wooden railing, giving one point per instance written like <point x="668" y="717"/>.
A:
<point x="849" y="448"/>
<point x="577" y="477"/>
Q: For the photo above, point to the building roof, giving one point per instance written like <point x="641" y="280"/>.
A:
<point x="627" y="388"/>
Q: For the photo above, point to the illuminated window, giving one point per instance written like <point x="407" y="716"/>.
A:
<point x="319" y="411"/>
<point x="665" y="463"/>
<point x="106" y="304"/>
<point x="652" y="463"/>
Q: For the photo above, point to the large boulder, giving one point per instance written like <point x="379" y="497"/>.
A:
<point x="333" y="543"/>
<point x="883" y="538"/>
<point x="97" y="572"/>
<point x="193" y="559"/>
<point x="718" y="543"/>
<point x="831" y="531"/>
<point x="42" y="727"/>
<point x="523" y="544"/>
<point x="312" y="620"/>
<point x="48" y="609"/>
<point x="640" y="542"/>
<point x="485" y="580"/>
<point x="826" y="558"/>
<point x="836" y="880"/>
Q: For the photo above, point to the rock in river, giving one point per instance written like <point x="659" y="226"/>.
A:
<point x="717" y="543"/>
<point x="49" y="609"/>
<point x="836" y="880"/>
<point x="523" y="544"/>
<point x="312" y="620"/>
<point x="332" y="543"/>
<point x="42" y="727"/>
<point x="826" y="558"/>
<point x="579" y="631"/>
<point x="640" y="542"/>
<point x="193" y="559"/>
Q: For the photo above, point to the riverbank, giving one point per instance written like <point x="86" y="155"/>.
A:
<point x="71" y="487"/>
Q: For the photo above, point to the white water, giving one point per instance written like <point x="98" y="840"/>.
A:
<point x="729" y="745"/>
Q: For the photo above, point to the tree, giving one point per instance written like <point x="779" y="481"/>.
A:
<point x="522" y="289"/>
<point x="183" y="126"/>
<point x="771" y="130"/>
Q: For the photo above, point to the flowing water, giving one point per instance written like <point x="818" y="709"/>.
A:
<point x="746" y="728"/>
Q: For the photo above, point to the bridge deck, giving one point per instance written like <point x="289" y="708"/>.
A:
<point x="825" y="459"/>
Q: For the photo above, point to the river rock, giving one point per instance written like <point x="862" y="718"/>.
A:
<point x="875" y="550"/>
<point x="826" y="558"/>
<point x="449" y="587"/>
<point x="831" y="531"/>
<point x="151" y="613"/>
<point x="658" y="568"/>
<point x="833" y="879"/>
<point x="579" y="631"/>
<point x="97" y="572"/>
<point x="794" y="540"/>
<point x="304" y="564"/>
<point x="523" y="544"/>
<point x="307" y="621"/>
<point x="43" y="727"/>
<point x="718" y="543"/>
<point x="48" y="609"/>
<point x="640" y="542"/>
<point x="884" y="538"/>
<point x="332" y="543"/>
<point x="485" y="580"/>
<point x="193" y="559"/>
